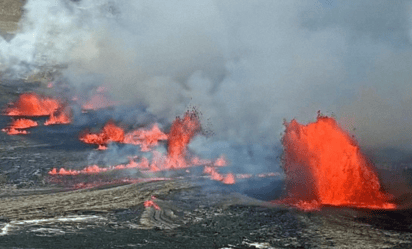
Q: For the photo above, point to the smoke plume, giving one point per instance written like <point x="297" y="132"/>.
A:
<point x="245" y="64"/>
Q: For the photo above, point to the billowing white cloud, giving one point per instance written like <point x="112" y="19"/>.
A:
<point x="245" y="64"/>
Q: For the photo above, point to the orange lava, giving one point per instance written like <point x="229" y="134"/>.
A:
<point x="214" y="175"/>
<point x="23" y="123"/>
<point x="31" y="104"/>
<point x="324" y="166"/>
<point x="229" y="179"/>
<point x="61" y="118"/>
<point x="147" y="139"/>
<point x="181" y="132"/>
<point x="151" y="203"/>
<point x="17" y="126"/>
<point x="109" y="133"/>
<point x="94" y="169"/>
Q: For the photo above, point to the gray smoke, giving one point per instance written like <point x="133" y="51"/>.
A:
<point x="246" y="65"/>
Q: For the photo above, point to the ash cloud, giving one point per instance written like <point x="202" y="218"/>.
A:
<point x="245" y="64"/>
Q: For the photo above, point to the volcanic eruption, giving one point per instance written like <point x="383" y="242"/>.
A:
<point x="18" y="126"/>
<point x="181" y="133"/>
<point x="146" y="138"/>
<point x="324" y="166"/>
<point x="33" y="105"/>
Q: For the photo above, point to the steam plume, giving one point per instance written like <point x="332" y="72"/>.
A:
<point x="245" y="64"/>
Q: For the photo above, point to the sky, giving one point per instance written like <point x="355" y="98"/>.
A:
<point x="246" y="65"/>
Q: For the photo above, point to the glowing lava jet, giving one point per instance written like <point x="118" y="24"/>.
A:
<point x="61" y="118"/>
<point x="324" y="166"/>
<point x="33" y="105"/>
<point x="109" y="133"/>
<point x="146" y="138"/>
<point x="214" y="175"/>
<point x="18" y="126"/>
<point x="181" y="133"/>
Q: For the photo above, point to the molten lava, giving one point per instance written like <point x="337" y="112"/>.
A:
<point x="17" y="126"/>
<point x="151" y="203"/>
<point x="214" y="175"/>
<point x="181" y="132"/>
<point x="109" y="133"/>
<point x="31" y="104"/>
<point x="147" y="139"/>
<point x="324" y="166"/>
<point x="94" y="169"/>
<point x="61" y="118"/>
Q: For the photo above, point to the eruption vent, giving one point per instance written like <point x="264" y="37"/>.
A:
<point x="181" y="132"/>
<point x="18" y="126"/>
<point x="109" y="133"/>
<point x="61" y="118"/>
<point x="33" y="105"/>
<point x="324" y="166"/>
<point x="146" y="138"/>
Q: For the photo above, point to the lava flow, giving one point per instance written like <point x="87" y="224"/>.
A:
<point x="214" y="175"/>
<point x="109" y="133"/>
<point x="31" y="104"/>
<point x="17" y="126"/>
<point x="324" y="166"/>
<point x="60" y="118"/>
<point x="147" y="139"/>
<point x="181" y="133"/>
<point x="151" y="203"/>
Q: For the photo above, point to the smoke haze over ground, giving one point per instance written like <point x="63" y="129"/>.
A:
<point x="245" y="64"/>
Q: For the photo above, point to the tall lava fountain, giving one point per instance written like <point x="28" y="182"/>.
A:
<point x="324" y="166"/>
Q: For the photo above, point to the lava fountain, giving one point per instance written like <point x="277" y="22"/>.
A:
<point x="146" y="138"/>
<point x="109" y="133"/>
<point x="181" y="132"/>
<point x="31" y="104"/>
<point x="60" y="118"/>
<point x="17" y="126"/>
<point x="324" y="166"/>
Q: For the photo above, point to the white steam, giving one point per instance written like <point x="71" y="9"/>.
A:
<point x="245" y="64"/>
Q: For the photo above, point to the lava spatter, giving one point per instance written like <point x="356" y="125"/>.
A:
<point x="59" y="118"/>
<point x="324" y="166"/>
<point x="146" y="138"/>
<point x="109" y="133"/>
<point x="32" y="105"/>
<point x="214" y="175"/>
<point x="18" y="126"/>
<point x="181" y="132"/>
